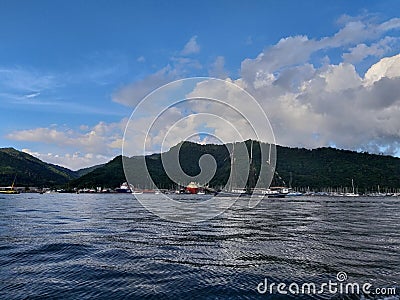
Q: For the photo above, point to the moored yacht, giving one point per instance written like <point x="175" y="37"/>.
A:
<point x="124" y="188"/>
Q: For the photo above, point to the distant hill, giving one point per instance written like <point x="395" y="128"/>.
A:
<point x="109" y="175"/>
<point x="85" y="171"/>
<point x="298" y="167"/>
<point x="328" y="167"/>
<point x="30" y="171"/>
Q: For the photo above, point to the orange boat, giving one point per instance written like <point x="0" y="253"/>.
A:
<point x="192" y="188"/>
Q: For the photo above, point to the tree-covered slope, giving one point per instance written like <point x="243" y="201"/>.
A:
<point x="30" y="171"/>
<point x="317" y="169"/>
<point x="109" y="175"/>
<point x="328" y="167"/>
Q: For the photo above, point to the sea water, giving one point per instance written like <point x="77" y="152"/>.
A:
<point x="107" y="246"/>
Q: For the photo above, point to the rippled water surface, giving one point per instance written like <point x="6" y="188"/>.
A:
<point x="70" y="246"/>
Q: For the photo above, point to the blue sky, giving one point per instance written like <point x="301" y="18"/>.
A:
<point x="69" y="68"/>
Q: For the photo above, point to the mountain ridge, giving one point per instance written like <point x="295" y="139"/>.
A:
<point x="27" y="170"/>
<point x="299" y="167"/>
<point x="317" y="169"/>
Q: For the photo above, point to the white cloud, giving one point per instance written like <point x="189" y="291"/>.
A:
<point x="217" y="69"/>
<point x="362" y="51"/>
<point x="297" y="50"/>
<point x="191" y="47"/>
<point x="390" y="24"/>
<point x="336" y="107"/>
<point x="388" y="67"/>
<point x="73" y="161"/>
<point x="341" y="77"/>
<point x="287" y="52"/>
<point x="91" y="144"/>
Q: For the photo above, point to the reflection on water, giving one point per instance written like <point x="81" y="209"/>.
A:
<point x="108" y="246"/>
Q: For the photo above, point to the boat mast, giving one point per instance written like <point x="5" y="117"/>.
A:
<point x="251" y="152"/>
<point x="251" y="171"/>
<point x="232" y="167"/>
<point x="12" y="186"/>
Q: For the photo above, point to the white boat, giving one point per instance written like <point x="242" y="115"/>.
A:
<point x="124" y="188"/>
<point x="273" y="192"/>
<point x="352" y="194"/>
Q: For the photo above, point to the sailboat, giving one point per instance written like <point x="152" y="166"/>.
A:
<point x="10" y="189"/>
<point x="250" y="187"/>
<point x="352" y="194"/>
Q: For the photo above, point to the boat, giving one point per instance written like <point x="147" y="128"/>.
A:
<point x="124" y="188"/>
<point x="137" y="192"/>
<point x="9" y="190"/>
<point x="192" y="188"/>
<point x="232" y="190"/>
<point x="249" y="189"/>
<point x="352" y="194"/>
<point x="272" y="192"/>
<point x="378" y="193"/>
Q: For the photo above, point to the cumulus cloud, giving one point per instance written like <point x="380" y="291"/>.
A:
<point x="297" y="50"/>
<point x="73" y="161"/>
<point x="88" y="145"/>
<point x="191" y="47"/>
<point x="217" y="69"/>
<point x="338" y="107"/>
<point x="388" y="67"/>
<point x="362" y="51"/>
<point x="331" y="104"/>
<point x="285" y="53"/>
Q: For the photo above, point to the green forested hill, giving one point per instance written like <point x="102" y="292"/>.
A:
<point x="316" y="169"/>
<point x="30" y="171"/>
<point x="328" y="167"/>
<point x="110" y="175"/>
<point x="302" y="168"/>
